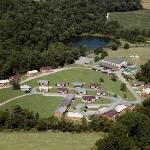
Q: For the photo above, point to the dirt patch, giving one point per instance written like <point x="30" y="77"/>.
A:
<point x="146" y="4"/>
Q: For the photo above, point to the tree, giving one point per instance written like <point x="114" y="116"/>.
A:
<point x="104" y="54"/>
<point x="123" y="87"/>
<point x="114" y="46"/>
<point x="96" y="58"/>
<point x="15" y="84"/>
<point x="126" y="46"/>
<point x="98" y="50"/>
<point x="101" y="79"/>
<point x="114" y="77"/>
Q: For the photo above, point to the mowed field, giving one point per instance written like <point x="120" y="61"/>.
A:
<point x="84" y="75"/>
<point x="48" y="141"/>
<point x="142" y="52"/>
<point x="132" y="19"/>
<point x="44" y="105"/>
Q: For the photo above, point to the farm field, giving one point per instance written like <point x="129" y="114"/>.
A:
<point x="83" y="75"/>
<point x="45" y="106"/>
<point x="48" y="141"/>
<point x="142" y="52"/>
<point x="132" y="19"/>
<point x="8" y="93"/>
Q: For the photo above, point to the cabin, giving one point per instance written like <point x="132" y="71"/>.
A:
<point x="88" y="99"/>
<point x="62" y="90"/>
<point x="60" y="111"/>
<point x="110" y="114"/>
<point x="32" y="73"/>
<point x="44" y="89"/>
<point x="94" y="86"/>
<point x="4" y="83"/>
<point x="25" y="88"/>
<point x="62" y="84"/>
<point x="146" y="92"/>
<point x="80" y="90"/>
<point x="43" y="82"/>
<point x="138" y="84"/>
<point x="16" y="77"/>
<point x="78" y="84"/>
<point x="46" y="69"/>
<point x="73" y="116"/>
<point x="114" y="63"/>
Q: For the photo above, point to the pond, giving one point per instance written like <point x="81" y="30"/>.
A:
<point x="89" y="42"/>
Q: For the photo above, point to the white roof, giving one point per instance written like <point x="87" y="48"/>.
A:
<point x="43" y="87"/>
<point x="147" y="91"/>
<point x="4" y="81"/>
<point x="120" y="108"/>
<point x="74" y="115"/>
<point x="32" y="72"/>
<point x="25" y="86"/>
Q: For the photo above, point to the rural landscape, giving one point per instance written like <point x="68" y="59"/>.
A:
<point x="75" y="74"/>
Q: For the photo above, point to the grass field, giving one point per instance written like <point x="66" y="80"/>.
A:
<point x="132" y="19"/>
<point x="45" y="106"/>
<point x="8" y="93"/>
<point x="143" y="53"/>
<point x="48" y="141"/>
<point x="83" y="75"/>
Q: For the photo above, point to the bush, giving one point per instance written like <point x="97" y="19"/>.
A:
<point x="104" y="54"/>
<point x="123" y="87"/>
<point x="15" y="85"/>
<point x="114" y="47"/>
<point x="126" y="46"/>
<point x="101" y="79"/>
<point x="42" y="125"/>
<point x="98" y="50"/>
<point x="113" y="78"/>
<point x="96" y="58"/>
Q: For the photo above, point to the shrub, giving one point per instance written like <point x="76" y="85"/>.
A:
<point x="96" y="58"/>
<point x="126" y="46"/>
<point x="114" y="47"/>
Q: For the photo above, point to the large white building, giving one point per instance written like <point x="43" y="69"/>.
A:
<point x="114" y="63"/>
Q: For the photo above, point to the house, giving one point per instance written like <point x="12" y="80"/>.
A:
<point x="110" y="114"/>
<point x="62" y="84"/>
<point x="32" y="73"/>
<point x="114" y="63"/>
<point x="84" y="60"/>
<point x="73" y="116"/>
<point x="46" y="69"/>
<point x="62" y="90"/>
<point x="43" y="88"/>
<point x="146" y="92"/>
<point x="80" y="90"/>
<point x="120" y="108"/>
<point x="94" y="86"/>
<point x="137" y="83"/>
<point x="78" y="84"/>
<point x="25" y="88"/>
<point x="101" y="91"/>
<point x="60" y="111"/>
<point x="4" y="83"/>
<point x="88" y="99"/>
<point x="43" y="82"/>
<point x="15" y="77"/>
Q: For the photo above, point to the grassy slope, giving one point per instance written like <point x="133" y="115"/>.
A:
<point x="133" y="19"/>
<point x="8" y="93"/>
<point x="143" y="53"/>
<point x="48" y="141"/>
<point x="45" y="106"/>
<point x="85" y="75"/>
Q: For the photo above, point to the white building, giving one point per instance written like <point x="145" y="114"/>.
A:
<point x="32" y="73"/>
<point x="146" y="92"/>
<point x="114" y="62"/>
<point x="4" y="83"/>
<point x="120" y="108"/>
<point x="43" y="88"/>
<point x="25" y="88"/>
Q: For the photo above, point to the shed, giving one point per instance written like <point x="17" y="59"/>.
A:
<point x="4" y="83"/>
<point x="25" y="88"/>
<point x="43" y="82"/>
<point x="46" y="69"/>
<point x="32" y="73"/>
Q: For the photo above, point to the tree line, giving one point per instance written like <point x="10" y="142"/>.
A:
<point x="28" y="27"/>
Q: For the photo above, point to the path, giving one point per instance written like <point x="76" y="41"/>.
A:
<point x="1" y="104"/>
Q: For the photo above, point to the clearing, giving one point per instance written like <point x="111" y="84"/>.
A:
<point x="48" y="141"/>
<point x="132" y="19"/>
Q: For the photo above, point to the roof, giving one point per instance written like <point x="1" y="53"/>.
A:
<point x="61" y="109"/>
<point x="70" y="96"/>
<point x="43" y="81"/>
<point x="15" y="77"/>
<point x="147" y="91"/>
<point x="120" y="108"/>
<point x="25" y="86"/>
<point x="111" y="113"/>
<point x="32" y="72"/>
<point x="116" y="60"/>
<point x="74" y="115"/>
<point x="84" y="60"/>
<point x="80" y="90"/>
<point x="108" y="66"/>
<point x="78" y="83"/>
<point x="95" y="84"/>
<point x="62" y="89"/>
<point x="4" y="81"/>
<point x="66" y="102"/>
<point x="88" y="98"/>
<point x="138" y="82"/>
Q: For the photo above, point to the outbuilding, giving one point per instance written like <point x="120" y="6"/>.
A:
<point x="62" y="84"/>
<point x="46" y="69"/>
<point x="60" y="111"/>
<point x="4" y="83"/>
<point x="80" y="90"/>
<point x="120" y="108"/>
<point x="25" y="88"/>
<point x="62" y="90"/>
<point x="146" y="92"/>
<point x="32" y="73"/>
<point x="43" y="82"/>
<point x="43" y="88"/>
<point x="94" y="86"/>
<point x="16" y="77"/>
<point x="88" y="99"/>
<point x="74" y="116"/>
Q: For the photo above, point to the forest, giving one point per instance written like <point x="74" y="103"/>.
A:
<point x="28" y="27"/>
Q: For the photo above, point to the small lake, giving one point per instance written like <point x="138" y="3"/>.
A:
<point x="89" y="42"/>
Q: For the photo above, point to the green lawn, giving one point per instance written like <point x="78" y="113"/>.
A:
<point x="132" y="19"/>
<point x="48" y="141"/>
<point x="83" y="75"/>
<point x="45" y="106"/>
<point x="8" y="93"/>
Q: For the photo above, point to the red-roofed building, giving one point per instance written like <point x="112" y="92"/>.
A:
<point x="15" y="77"/>
<point x="89" y="99"/>
<point x="46" y="69"/>
<point x="110" y="114"/>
